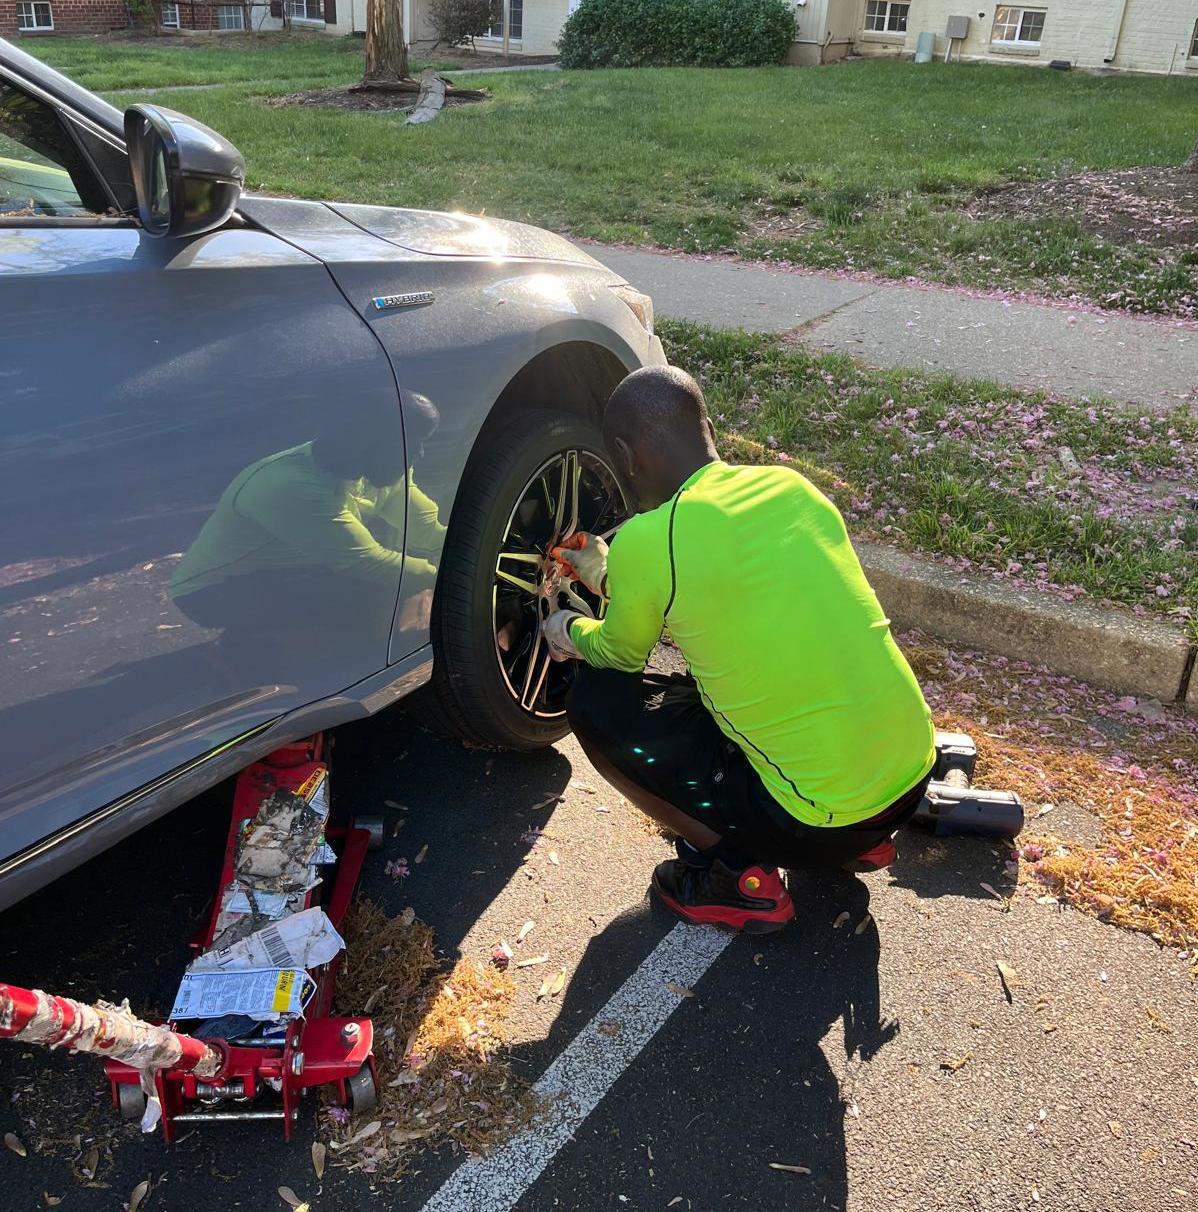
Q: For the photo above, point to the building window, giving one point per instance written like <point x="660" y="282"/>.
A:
<point x="886" y="17"/>
<point x="230" y="16"/>
<point x="170" y="16"/>
<point x="1017" y="26"/>
<point x="305" y="10"/>
<point x="515" y="21"/>
<point x="32" y="14"/>
<point x="1194" y="42"/>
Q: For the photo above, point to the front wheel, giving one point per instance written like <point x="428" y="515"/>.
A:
<point x="539" y="478"/>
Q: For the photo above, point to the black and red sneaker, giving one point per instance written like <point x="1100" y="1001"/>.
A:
<point x="873" y="859"/>
<point x="753" y="900"/>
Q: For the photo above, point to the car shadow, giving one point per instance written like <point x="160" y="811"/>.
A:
<point x="462" y="810"/>
<point x="738" y="1077"/>
<point x="119" y="927"/>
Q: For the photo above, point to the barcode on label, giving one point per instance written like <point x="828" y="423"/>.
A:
<point x="275" y="947"/>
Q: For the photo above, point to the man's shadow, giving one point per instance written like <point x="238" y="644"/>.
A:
<point x="932" y="866"/>
<point x="736" y="1079"/>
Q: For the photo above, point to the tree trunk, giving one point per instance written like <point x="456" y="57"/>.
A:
<point x="1191" y="165"/>
<point x="386" y="53"/>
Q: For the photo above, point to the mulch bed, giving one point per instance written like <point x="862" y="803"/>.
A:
<point x="371" y="102"/>
<point x="440" y="1032"/>
<point x="1157" y="207"/>
<point x="1130" y="765"/>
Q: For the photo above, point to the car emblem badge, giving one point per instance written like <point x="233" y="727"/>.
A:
<point x="417" y="298"/>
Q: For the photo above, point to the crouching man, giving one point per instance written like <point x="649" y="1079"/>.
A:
<point x="799" y="737"/>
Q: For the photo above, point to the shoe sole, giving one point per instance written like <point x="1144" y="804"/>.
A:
<point x="744" y="920"/>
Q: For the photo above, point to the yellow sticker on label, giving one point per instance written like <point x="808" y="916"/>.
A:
<point x="283" y="987"/>
<point x="311" y="783"/>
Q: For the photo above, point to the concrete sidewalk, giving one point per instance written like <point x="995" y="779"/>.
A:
<point x="1148" y="363"/>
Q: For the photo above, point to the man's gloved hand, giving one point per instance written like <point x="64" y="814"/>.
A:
<point x="556" y="630"/>
<point x="584" y="558"/>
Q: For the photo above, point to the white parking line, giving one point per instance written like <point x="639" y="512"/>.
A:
<point x="580" y="1077"/>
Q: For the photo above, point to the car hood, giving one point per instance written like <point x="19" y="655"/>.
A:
<point x="441" y="233"/>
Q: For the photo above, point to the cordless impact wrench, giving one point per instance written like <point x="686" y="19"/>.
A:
<point x="952" y="806"/>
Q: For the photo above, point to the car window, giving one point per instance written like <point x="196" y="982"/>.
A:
<point x="42" y="172"/>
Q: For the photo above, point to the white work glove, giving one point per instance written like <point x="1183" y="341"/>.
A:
<point x="584" y="558"/>
<point x="556" y="630"/>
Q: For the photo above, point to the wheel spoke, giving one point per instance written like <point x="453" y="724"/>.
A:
<point x="517" y="557"/>
<point x="534" y="674"/>
<point x="527" y="586"/>
<point x="573" y="481"/>
<point x="579" y="603"/>
<point x="559" y="511"/>
<point x="571" y="491"/>
<point x="546" y="662"/>
<point x="597" y="517"/>
<point x="565" y="516"/>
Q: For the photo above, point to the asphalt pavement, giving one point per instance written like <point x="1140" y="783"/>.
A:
<point x="1071" y="351"/>
<point x="823" y="1047"/>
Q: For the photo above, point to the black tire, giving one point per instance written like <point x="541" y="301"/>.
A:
<point x="132" y="1101"/>
<point x="374" y="824"/>
<point x="468" y="696"/>
<point x="363" y="1095"/>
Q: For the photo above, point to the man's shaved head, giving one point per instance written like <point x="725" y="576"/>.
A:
<point x="656" y="404"/>
<point x="656" y="425"/>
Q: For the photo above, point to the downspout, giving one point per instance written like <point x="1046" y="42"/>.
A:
<point x="1118" y="33"/>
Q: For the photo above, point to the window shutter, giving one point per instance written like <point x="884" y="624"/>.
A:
<point x="330" y="12"/>
<point x="276" y="8"/>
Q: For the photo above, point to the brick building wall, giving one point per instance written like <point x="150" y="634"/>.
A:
<point x="69" y="16"/>
<point x="102" y="16"/>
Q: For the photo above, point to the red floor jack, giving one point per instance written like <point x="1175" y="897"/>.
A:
<point x="952" y="805"/>
<point x="255" y="1076"/>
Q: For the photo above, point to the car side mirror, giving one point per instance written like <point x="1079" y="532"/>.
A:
<point x="187" y="178"/>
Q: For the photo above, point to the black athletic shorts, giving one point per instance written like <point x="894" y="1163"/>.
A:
<point x="655" y="730"/>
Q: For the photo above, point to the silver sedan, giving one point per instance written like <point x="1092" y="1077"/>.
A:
<point x="267" y="466"/>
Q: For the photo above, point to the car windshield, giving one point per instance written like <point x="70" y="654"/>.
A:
<point x="39" y="164"/>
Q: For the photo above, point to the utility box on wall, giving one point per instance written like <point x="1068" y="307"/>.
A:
<point x="958" y="27"/>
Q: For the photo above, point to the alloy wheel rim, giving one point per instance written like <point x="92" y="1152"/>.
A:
<point x="573" y="490"/>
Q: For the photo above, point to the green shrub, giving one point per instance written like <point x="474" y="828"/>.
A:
<point x="664" y="33"/>
<point x="459" y="22"/>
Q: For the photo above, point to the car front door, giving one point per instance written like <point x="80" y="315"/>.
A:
<point x="190" y="435"/>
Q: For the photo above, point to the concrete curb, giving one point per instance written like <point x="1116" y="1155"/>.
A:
<point x="1101" y="645"/>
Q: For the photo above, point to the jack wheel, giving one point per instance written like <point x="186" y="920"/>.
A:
<point x="132" y="1102"/>
<point x="373" y="824"/>
<point x="363" y="1094"/>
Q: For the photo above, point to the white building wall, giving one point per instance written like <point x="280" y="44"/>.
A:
<point x="811" y="31"/>
<point x="351" y="19"/>
<point x="543" y="21"/>
<point x="541" y="28"/>
<point x="1155" y="34"/>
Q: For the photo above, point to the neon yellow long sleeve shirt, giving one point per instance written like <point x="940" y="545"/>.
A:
<point x="753" y="571"/>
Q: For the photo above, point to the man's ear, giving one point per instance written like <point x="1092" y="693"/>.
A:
<point x="625" y="460"/>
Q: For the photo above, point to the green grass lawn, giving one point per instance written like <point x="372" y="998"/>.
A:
<point x="861" y="166"/>
<point x="878" y="157"/>
<point x="867" y="165"/>
<point x="311" y="60"/>
<point x="967" y="470"/>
